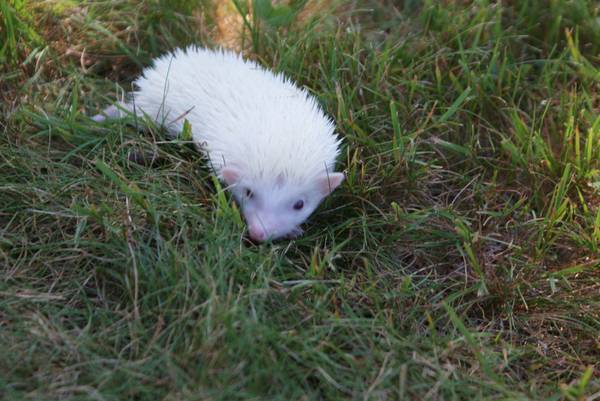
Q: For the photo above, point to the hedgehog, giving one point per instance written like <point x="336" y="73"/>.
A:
<point x="264" y="137"/>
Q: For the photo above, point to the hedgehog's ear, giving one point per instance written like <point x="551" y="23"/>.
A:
<point x="230" y="175"/>
<point x="328" y="182"/>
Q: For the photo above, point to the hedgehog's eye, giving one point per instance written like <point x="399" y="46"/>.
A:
<point x="249" y="193"/>
<point x="299" y="205"/>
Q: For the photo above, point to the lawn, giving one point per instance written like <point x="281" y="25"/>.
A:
<point x="459" y="260"/>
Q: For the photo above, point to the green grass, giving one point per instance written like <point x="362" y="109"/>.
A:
<point x="459" y="261"/>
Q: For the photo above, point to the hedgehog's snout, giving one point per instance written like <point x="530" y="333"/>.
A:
<point x="256" y="233"/>
<point x="260" y="228"/>
<point x="265" y="226"/>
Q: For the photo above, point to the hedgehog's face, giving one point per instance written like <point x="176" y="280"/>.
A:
<point x="277" y="209"/>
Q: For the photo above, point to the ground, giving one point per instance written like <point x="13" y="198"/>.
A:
<point x="459" y="260"/>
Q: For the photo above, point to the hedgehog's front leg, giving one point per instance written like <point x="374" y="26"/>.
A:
<point x="118" y="110"/>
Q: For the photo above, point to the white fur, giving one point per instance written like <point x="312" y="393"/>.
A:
<point x="258" y="129"/>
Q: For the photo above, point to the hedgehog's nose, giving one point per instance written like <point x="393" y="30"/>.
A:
<point x="257" y="233"/>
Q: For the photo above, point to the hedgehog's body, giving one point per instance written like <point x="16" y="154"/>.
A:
<point x="264" y="137"/>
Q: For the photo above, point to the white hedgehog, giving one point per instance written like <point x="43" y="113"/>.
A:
<point x="265" y="137"/>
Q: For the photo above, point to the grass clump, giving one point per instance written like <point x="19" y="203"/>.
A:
<point x="458" y="261"/>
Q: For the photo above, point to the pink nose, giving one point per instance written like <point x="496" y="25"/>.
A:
<point x="257" y="233"/>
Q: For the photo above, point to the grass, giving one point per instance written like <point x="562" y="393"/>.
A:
<point x="459" y="261"/>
